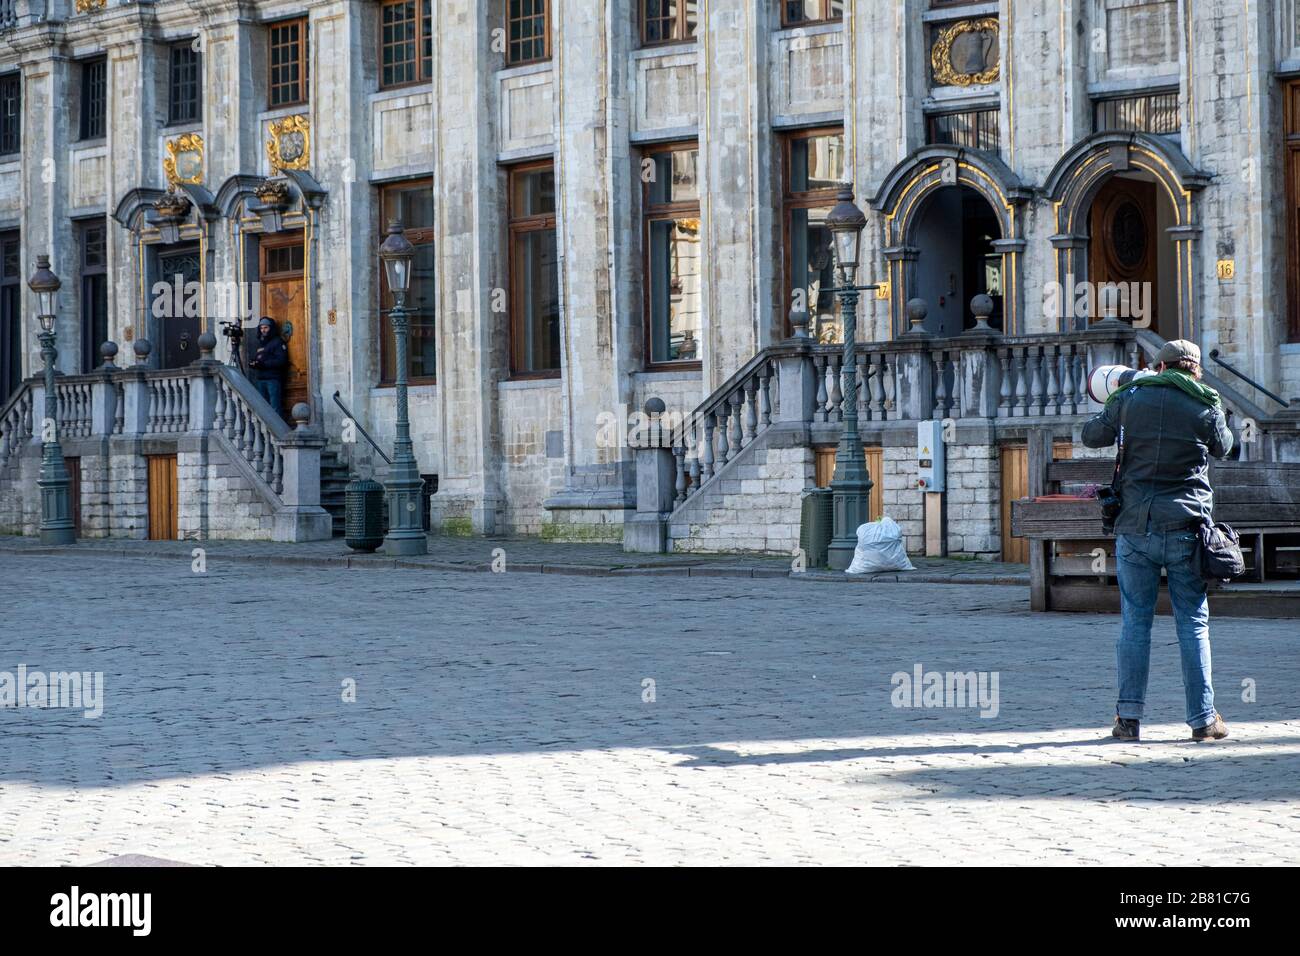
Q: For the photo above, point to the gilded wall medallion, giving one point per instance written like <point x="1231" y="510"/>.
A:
<point x="290" y="144"/>
<point x="966" y="53"/>
<point x="184" y="160"/>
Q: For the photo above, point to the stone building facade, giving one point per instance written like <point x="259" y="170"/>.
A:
<point x="620" y="200"/>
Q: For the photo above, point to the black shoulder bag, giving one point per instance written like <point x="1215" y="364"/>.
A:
<point x="1218" y="552"/>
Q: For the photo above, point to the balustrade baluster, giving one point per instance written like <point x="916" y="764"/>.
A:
<point x="940" y="384"/>
<point x="751" y="409"/>
<point x="876" y="386"/>
<point x="764" y="395"/>
<point x="679" y="484"/>
<point x="708" y="445"/>
<point x="1022" y="381"/>
<point x="823" y="412"/>
<point x="1080" y="378"/>
<point x="1053" y="397"/>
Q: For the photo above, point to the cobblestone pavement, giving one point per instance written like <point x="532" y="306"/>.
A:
<point x="500" y="718"/>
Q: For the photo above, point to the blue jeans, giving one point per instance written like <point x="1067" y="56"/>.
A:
<point x="270" y="389"/>
<point x="1141" y="556"/>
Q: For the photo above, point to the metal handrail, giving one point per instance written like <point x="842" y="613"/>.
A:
<point x="348" y="412"/>
<point x="1214" y="354"/>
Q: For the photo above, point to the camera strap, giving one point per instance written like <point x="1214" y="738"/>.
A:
<point x="1119" y="455"/>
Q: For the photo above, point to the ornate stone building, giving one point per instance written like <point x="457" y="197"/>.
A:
<point x="614" y="200"/>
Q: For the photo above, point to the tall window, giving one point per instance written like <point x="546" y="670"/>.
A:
<point x="534" y="273"/>
<point x="412" y="203"/>
<point x="11" y="115"/>
<point x="814" y="170"/>
<point x="184" y="92"/>
<point x="528" y="33"/>
<point x="11" y="323"/>
<point x="672" y="254"/>
<point x="93" y="239"/>
<point x="797" y="12"/>
<point x="94" y="98"/>
<point x="668" y="21"/>
<point x="287" y="59"/>
<point x="405" y="42"/>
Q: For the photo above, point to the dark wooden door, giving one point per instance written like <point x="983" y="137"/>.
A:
<point x="73" y="465"/>
<point x="1124" y="233"/>
<point x="164" y="500"/>
<point x="284" y="298"/>
<point x="179" y="268"/>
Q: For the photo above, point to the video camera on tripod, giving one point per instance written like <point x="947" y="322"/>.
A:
<point x="234" y="330"/>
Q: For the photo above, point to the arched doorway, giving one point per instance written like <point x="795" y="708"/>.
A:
<point x="1125" y="212"/>
<point x="952" y="229"/>
<point x="955" y="236"/>
<point x="1131" y="250"/>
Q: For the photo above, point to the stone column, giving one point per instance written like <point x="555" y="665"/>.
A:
<point x="471" y="336"/>
<point x="738" y="169"/>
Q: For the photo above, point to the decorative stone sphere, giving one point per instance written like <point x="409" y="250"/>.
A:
<point x="917" y="310"/>
<point x="142" y="348"/>
<point x="301" y="413"/>
<point x="981" y="306"/>
<point x="207" y="343"/>
<point x="655" y="406"/>
<point x="108" y="351"/>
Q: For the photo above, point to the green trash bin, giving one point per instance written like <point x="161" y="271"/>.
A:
<point x="816" y="525"/>
<point x="363" y="514"/>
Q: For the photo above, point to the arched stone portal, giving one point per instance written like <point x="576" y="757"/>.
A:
<point x="1107" y="161"/>
<point x="905" y="201"/>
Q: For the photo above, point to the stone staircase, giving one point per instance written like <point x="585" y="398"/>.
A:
<point x="334" y="478"/>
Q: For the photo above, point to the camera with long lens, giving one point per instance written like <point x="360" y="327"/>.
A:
<point x="1105" y="380"/>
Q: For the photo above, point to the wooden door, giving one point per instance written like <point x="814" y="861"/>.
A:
<point x="1015" y="485"/>
<point x="1124" y="233"/>
<point x="164" y="501"/>
<point x="824" y="473"/>
<point x="284" y="298"/>
<point x="73" y="466"/>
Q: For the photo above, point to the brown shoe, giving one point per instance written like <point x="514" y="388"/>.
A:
<point x="1125" y="729"/>
<point x="1214" y="730"/>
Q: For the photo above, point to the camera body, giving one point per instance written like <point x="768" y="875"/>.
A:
<point x="1111" y="505"/>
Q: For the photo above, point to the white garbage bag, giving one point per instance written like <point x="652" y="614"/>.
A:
<point x="880" y="548"/>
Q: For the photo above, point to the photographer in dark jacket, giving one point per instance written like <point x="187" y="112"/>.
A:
<point x="269" y="361"/>
<point x="1167" y="425"/>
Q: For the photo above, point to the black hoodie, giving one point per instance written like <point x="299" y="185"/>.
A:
<point x="270" y="355"/>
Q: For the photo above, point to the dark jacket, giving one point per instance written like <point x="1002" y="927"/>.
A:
<point x="1168" y="436"/>
<point x="270" y="356"/>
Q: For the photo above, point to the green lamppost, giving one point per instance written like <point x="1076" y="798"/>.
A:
<point x="851" y="486"/>
<point x="405" y="487"/>
<point x="56" y="507"/>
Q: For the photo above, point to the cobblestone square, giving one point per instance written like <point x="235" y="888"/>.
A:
<point x="562" y="719"/>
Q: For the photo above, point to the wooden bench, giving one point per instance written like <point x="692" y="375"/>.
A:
<point x="1067" y="547"/>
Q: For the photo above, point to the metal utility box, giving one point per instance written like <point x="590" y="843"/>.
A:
<point x="930" y="476"/>
<point x="816" y="525"/>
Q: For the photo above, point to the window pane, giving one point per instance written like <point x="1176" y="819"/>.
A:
<point x="812" y="267"/>
<point x="94" y="92"/>
<point x="426" y="53"/>
<point x="413" y="205"/>
<point x="535" y="292"/>
<point x="288" y="80"/>
<point x="397" y="41"/>
<point x="674" y="289"/>
<point x="817" y="162"/>
<point x="184" y="97"/>
<point x="534" y="193"/>
<point x="675" y="176"/>
<point x="10" y="113"/>
<point x="800" y="11"/>
<point x="526" y="28"/>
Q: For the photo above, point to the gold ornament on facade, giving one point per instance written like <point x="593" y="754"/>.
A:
<point x="90" y="6"/>
<point x="273" y="192"/>
<point x="184" y="161"/>
<point x="976" y="44"/>
<point x="290" y="144"/>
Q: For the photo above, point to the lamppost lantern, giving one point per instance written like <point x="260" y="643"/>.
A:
<point x="45" y="285"/>
<point x="846" y="222"/>
<point x="405" y="487"/>
<point x="57" y="524"/>
<point x="396" y="253"/>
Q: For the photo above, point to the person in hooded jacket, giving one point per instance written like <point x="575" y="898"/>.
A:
<point x="269" y="361"/>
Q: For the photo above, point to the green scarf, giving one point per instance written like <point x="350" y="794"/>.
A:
<point x="1178" y="379"/>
